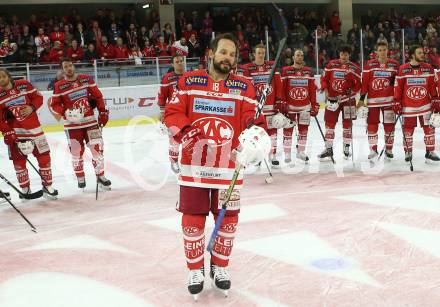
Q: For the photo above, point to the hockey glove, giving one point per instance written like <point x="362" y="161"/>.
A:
<point x="191" y="138"/>
<point x="314" y="110"/>
<point x="397" y="107"/>
<point x="9" y="137"/>
<point x="103" y="118"/>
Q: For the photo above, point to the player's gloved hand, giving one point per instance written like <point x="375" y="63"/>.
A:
<point x="314" y="110"/>
<point x="10" y="137"/>
<point x="192" y="138"/>
<point x="103" y="118"/>
<point x="397" y="107"/>
<point x="435" y="104"/>
<point x="281" y="106"/>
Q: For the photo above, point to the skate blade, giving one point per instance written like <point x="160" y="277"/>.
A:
<point x="104" y="188"/>
<point x="3" y="201"/>
<point x="50" y="197"/>
<point x="430" y="162"/>
<point x="328" y="159"/>
<point x="304" y="161"/>
<point x="221" y="291"/>
<point x="195" y="297"/>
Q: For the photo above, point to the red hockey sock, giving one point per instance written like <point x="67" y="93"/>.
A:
<point x="193" y="227"/>
<point x="225" y="241"/>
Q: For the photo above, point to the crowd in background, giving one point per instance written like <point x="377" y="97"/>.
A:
<point x="111" y="35"/>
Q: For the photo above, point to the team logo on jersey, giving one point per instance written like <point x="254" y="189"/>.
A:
<point x="338" y="85"/>
<point x="16" y="111"/>
<point x="196" y="80"/>
<point x="380" y="84"/>
<point x="298" y="93"/>
<point x="416" y="92"/>
<point x="218" y="131"/>
<point x="416" y="81"/>
<point x="78" y="94"/>
<point x="82" y="103"/>
<point x="214" y="107"/>
<point x="382" y="74"/>
<point x="299" y="82"/>
<point x="236" y="84"/>
<point x="339" y="74"/>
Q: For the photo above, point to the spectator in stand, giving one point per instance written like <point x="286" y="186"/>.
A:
<point x="196" y="21"/>
<point x="80" y="35"/>
<point x="434" y="58"/>
<point x="75" y="52"/>
<point x="154" y="32"/>
<point x="297" y="35"/>
<point x="120" y="51"/>
<point x="114" y="33"/>
<point x="91" y="54"/>
<point x="94" y="35"/>
<point x="410" y="31"/>
<point x="105" y="50"/>
<point x="244" y="49"/>
<point x="15" y="27"/>
<point x="180" y="24"/>
<point x="45" y="55"/>
<point x="382" y="39"/>
<point x="189" y="30"/>
<point x="148" y="50"/>
<point x="132" y="35"/>
<point x="136" y="55"/>
<point x="5" y="48"/>
<point x="57" y="35"/>
<point x="33" y="25"/>
<point x="143" y="37"/>
<point x="161" y="48"/>
<point x="168" y="34"/>
<point x="57" y="52"/>
<point x="194" y="50"/>
<point x="179" y="47"/>
<point x="68" y="36"/>
<point x="41" y="41"/>
<point x="335" y="22"/>
<point x="207" y="29"/>
<point x="14" y="55"/>
<point x="355" y="31"/>
<point x="25" y="41"/>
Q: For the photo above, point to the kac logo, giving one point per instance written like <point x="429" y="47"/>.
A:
<point x="380" y="84"/>
<point x="338" y="85"/>
<point x="416" y="92"/>
<point x="298" y="93"/>
<point x="218" y="131"/>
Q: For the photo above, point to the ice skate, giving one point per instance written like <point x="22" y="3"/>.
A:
<point x="195" y="282"/>
<point x="220" y="279"/>
<point x="347" y="153"/>
<point x="302" y="156"/>
<point x="408" y="156"/>
<point x="104" y="183"/>
<point x="81" y="183"/>
<point x="50" y="193"/>
<point x="431" y="157"/>
<point x="389" y="155"/>
<point x="326" y="155"/>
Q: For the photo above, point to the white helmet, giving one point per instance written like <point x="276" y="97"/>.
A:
<point x="255" y="145"/>
<point x="362" y="112"/>
<point x="435" y="120"/>
<point x="26" y="147"/>
<point x="279" y="121"/>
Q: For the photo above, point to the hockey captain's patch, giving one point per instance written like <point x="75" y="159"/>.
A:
<point x="214" y="107"/>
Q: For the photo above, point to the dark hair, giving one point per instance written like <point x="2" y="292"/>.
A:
<point x="228" y="36"/>
<point x="412" y="49"/>
<point x="62" y="60"/>
<point x="345" y="48"/>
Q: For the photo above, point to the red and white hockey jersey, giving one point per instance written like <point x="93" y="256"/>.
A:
<point x="378" y="82"/>
<point x="221" y="109"/>
<point x="259" y="74"/>
<point x="167" y="88"/>
<point x="13" y="101"/>
<point x="298" y="89"/>
<point x="414" y="88"/>
<point x="341" y="79"/>
<point x="75" y="95"/>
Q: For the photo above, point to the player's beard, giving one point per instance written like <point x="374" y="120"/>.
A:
<point x="223" y="67"/>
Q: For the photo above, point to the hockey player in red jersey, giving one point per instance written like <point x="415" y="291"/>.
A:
<point x="414" y="89"/>
<point x="298" y="95"/>
<point x="167" y="88"/>
<point x="258" y="71"/>
<point x="21" y="128"/>
<point x="378" y="86"/>
<point x="72" y="99"/>
<point x="341" y="82"/>
<point x="207" y="114"/>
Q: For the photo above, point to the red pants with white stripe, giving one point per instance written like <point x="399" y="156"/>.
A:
<point x="92" y="137"/>
<point x="19" y="160"/>
<point x="373" y="120"/>
<point x="195" y="204"/>
<point x="331" y="119"/>
<point x="409" y="123"/>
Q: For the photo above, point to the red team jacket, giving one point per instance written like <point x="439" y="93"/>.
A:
<point x="12" y="101"/>
<point x="259" y="75"/>
<point x="298" y="88"/>
<point x="167" y="88"/>
<point x="221" y="110"/>
<point x="74" y="95"/>
<point x="378" y="82"/>
<point x="414" y="88"/>
<point x="341" y="79"/>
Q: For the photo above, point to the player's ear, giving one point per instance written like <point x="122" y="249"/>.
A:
<point x="210" y="54"/>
